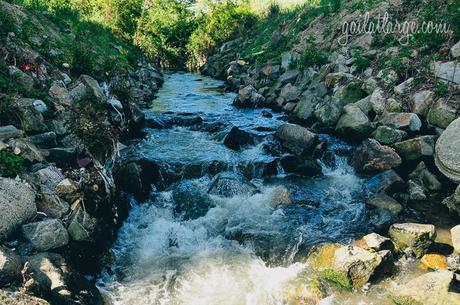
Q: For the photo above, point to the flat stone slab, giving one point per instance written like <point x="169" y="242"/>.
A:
<point x="447" y="151"/>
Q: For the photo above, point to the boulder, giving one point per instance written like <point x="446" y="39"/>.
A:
<point x="93" y="90"/>
<point x="447" y="155"/>
<point x="289" y="76"/>
<point x="302" y="167"/>
<point x="60" y="95"/>
<point x="441" y="114"/>
<point x="290" y="93"/>
<point x="82" y="226"/>
<point x="415" y="148"/>
<point x="421" y="102"/>
<point x="271" y="71"/>
<point x="27" y="150"/>
<point x="47" y="139"/>
<point x="453" y="202"/>
<point x="280" y="196"/>
<point x="46" y="235"/>
<point x="296" y="138"/>
<point x="51" y="204"/>
<point x="306" y="106"/>
<point x="49" y="176"/>
<point x="447" y="71"/>
<point x="191" y="200"/>
<point x="10" y="267"/>
<point x="375" y="242"/>
<point x="17" y="203"/>
<point x="328" y="112"/>
<point x="385" y="202"/>
<point x="372" y="157"/>
<point x="455" y="50"/>
<point x="378" y="101"/>
<point x="455" y="233"/>
<point x="237" y="138"/>
<point x="248" y="97"/>
<point x="77" y="92"/>
<point x="413" y="238"/>
<point x="424" y="177"/>
<point x="404" y="121"/>
<point x="230" y="184"/>
<point x="31" y="120"/>
<point x="387" y="135"/>
<point x="8" y="132"/>
<point x="387" y="181"/>
<point x="68" y="189"/>
<point x="24" y="80"/>
<point x="416" y="191"/>
<point x="354" y="122"/>
<point x="403" y="87"/>
<point x="19" y="298"/>
<point x="433" y="288"/>
<point x="431" y="262"/>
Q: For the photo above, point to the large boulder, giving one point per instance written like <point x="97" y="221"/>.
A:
<point x="296" y="138"/>
<point x="413" y="238"/>
<point x="442" y="114"/>
<point x="31" y="120"/>
<point x="354" y="122"/>
<point x="415" y="148"/>
<point x="248" y="97"/>
<point x="385" y="202"/>
<point x="8" y="132"/>
<point x="447" y="155"/>
<point x="46" y="235"/>
<point x="19" y="298"/>
<point x="10" y="266"/>
<point x="404" y="121"/>
<point x="372" y="157"/>
<point x="93" y="90"/>
<point x="433" y="288"/>
<point x="388" y="135"/>
<point x="306" y="106"/>
<point x="238" y="138"/>
<point x="17" y="205"/>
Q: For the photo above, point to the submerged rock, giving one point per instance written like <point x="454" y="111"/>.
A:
<point x="412" y="237"/>
<point x="229" y="184"/>
<point x="191" y="200"/>
<point x="447" y="155"/>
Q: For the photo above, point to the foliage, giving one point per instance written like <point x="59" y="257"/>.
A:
<point x="10" y="164"/>
<point x="311" y="56"/>
<point x="441" y="88"/>
<point x="361" y="62"/>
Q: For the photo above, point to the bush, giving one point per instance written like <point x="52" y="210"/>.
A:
<point x="10" y="164"/>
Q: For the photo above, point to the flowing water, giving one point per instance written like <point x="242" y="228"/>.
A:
<point x="244" y="249"/>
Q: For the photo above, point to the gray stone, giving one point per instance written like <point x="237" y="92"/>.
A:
<point x="441" y="114"/>
<point x="296" y="138"/>
<point x="82" y="226"/>
<point x="354" y="122"/>
<point x="49" y="176"/>
<point x="77" y="92"/>
<point x="19" y="298"/>
<point x="385" y="202"/>
<point x="447" y="155"/>
<point x="26" y="81"/>
<point x="51" y="204"/>
<point x="40" y="106"/>
<point x="10" y="267"/>
<point x="46" y="235"/>
<point x="377" y="242"/>
<point x="8" y="132"/>
<point x="229" y="184"/>
<point x="32" y="120"/>
<point x="387" y="135"/>
<point x="387" y="181"/>
<point x="93" y="90"/>
<point x="425" y="177"/>
<point x="455" y="233"/>
<point x="413" y="237"/>
<point x="47" y="139"/>
<point x="403" y="87"/>
<point x="17" y="203"/>
<point x="372" y="157"/>
<point x="27" y="150"/>
<point x="328" y="111"/>
<point x="248" y="97"/>
<point x="447" y="71"/>
<point x="415" y="148"/>
<point x="306" y="106"/>
<point x="416" y="191"/>
<point x="455" y="50"/>
<point x="289" y="76"/>
<point x="60" y="95"/>
<point x="290" y="93"/>
<point x="422" y="101"/>
<point x="453" y="202"/>
<point x="404" y="121"/>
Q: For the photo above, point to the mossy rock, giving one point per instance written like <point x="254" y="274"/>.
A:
<point x="403" y="300"/>
<point x="338" y="279"/>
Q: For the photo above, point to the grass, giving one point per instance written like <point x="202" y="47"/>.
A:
<point x="10" y="164"/>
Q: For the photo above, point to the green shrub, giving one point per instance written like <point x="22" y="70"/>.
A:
<point x="441" y="88"/>
<point x="311" y="56"/>
<point x="10" y="164"/>
<point x="361" y="62"/>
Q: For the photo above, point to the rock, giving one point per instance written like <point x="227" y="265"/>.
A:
<point x="455" y="50"/>
<point x="354" y="122"/>
<point x="412" y="237"/>
<point x="332" y="79"/>
<point x="290" y="93"/>
<point x="306" y="106"/>
<point x="289" y="107"/>
<point x="248" y="97"/>
<point x="49" y="176"/>
<point x="387" y="135"/>
<point x="191" y="201"/>
<point x="431" y="262"/>
<point x="328" y="112"/>
<point x="372" y="157"/>
<point x="287" y="58"/>
<point x="433" y="288"/>
<point x="375" y="242"/>
<point x="453" y="202"/>
<point x="455" y="232"/>
<point x="51" y="204"/>
<point x="32" y="121"/>
<point x="115" y="104"/>
<point x="369" y="85"/>
<point x="15" y="298"/>
<point x="59" y="283"/>
<point x="3" y="146"/>
<point x="82" y="226"/>
<point x="296" y="138"/>
<point x="425" y="177"/>
<point x="289" y="76"/>
<point x="447" y="157"/>
<point x="46" y="235"/>
<point x="237" y="138"/>
<point x="422" y="101"/>
<point x="385" y="202"/>
<point x="60" y="95"/>
<point x="271" y="71"/>
<point x="67" y="189"/>
<point x="77" y="92"/>
<point x="40" y="106"/>
<point x="415" y="148"/>
<point x="447" y="71"/>
<point x="441" y="114"/>
<point x="64" y="157"/>
<point x="24" y="80"/>
<point x="230" y="184"/>
<point x="27" y="150"/>
<point x="8" y="132"/>
<point x="47" y="139"/>
<point x="387" y="181"/>
<point x="378" y="101"/>
<point x="10" y="267"/>
<point x="93" y="90"/>
<point x="416" y="191"/>
<point x="280" y="196"/>
<point x="403" y="87"/>
<point x="302" y="167"/>
<point x="404" y="121"/>
<point x="17" y="203"/>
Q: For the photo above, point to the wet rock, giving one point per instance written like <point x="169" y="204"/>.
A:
<point x="10" y="267"/>
<point x="375" y="242"/>
<point x="387" y="135"/>
<point x="440" y="288"/>
<point x="412" y="237"/>
<point x="447" y="157"/>
<point x="93" y="90"/>
<point x="8" y="132"/>
<point x="280" y="196"/>
<point x="441" y="114"/>
<point x="372" y="157"/>
<point x="82" y="226"/>
<point x="385" y="202"/>
<point x="415" y="148"/>
<point x="237" y="138"/>
<point x="17" y="203"/>
<point x="387" y="181"/>
<point x="15" y="298"/>
<point x="302" y="167"/>
<point x="46" y="235"/>
<point x="431" y="262"/>
<point x="248" y="97"/>
<point x="229" y="184"/>
<point x="422" y="101"/>
<point x="187" y="120"/>
<point x="455" y="232"/>
<point x="404" y="121"/>
<point x="191" y="200"/>
<point x="447" y="71"/>
<point x="50" y="274"/>
<point x="354" y="122"/>
<point x="296" y="138"/>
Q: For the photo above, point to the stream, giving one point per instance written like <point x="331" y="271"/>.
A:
<point x="242" y="247"/>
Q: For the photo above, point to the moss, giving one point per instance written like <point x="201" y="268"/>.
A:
<point x="353" y="93"/>
<point x="404" y="300"/>
<point x="338" y="279"/>
<point x="10" y="164"/>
